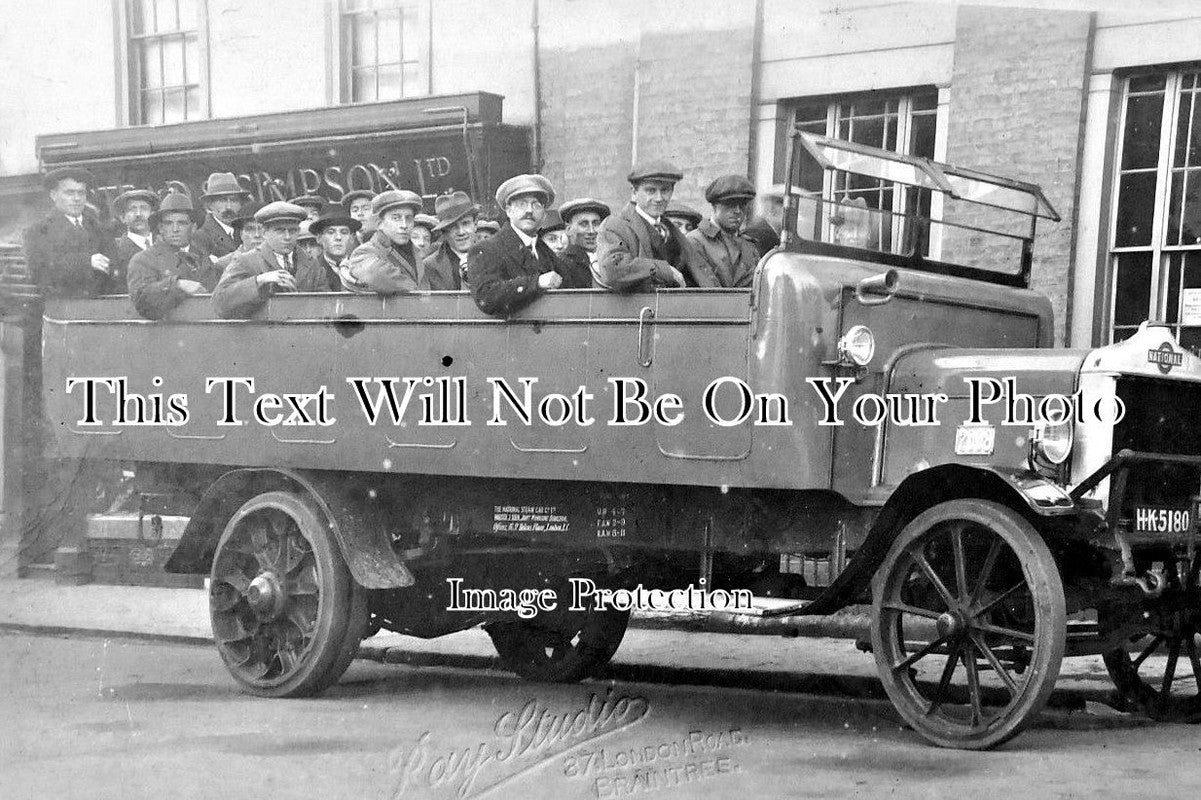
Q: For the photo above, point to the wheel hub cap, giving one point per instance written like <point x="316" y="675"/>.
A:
<point x="265" y="595"/>
<point x="951" y="623"/>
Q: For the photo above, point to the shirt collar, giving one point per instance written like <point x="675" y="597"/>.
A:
<point x="138" y="239"/>
<point x="224" y="227"/>
<point x="646" y="216"/>
<point x="528" y="241"/>
<point x="75" y="219"/>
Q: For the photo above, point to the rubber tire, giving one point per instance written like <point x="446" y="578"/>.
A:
<point x="515" y="644"/>
<point x="342" y="609"/>
<point x="1042" y="575"/>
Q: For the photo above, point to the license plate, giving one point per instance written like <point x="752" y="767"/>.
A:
<point x="1162" y="520"/>
<point x="975" y="440"/>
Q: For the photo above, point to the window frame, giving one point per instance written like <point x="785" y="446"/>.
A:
<point x="1162" y="255"/>
<point x="342" y="50"/>
<point x="904" y="97"/>
<point x="130" y="89"/>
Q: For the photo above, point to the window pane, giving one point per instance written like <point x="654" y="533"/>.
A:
<point x="191" y="60"/>
<point x="1172" y="303"/>
<point x="389" y="82"/>
<point x="921" y="135"/>
<point x="869" y="131"/>
<point x="1184" y="219"/>
<point x="165" y="19"/>
<point x="1136" y="207"/>
<point x="389" y="38"/>
<point x="413" y="82"/>
<point x="188" y="18"/>
<point x="812" y="112"/>
<point x="1188" y="139"/>
<point x="1132" y="292"/>
<point x="862" y="108"/>
<point x="193" y="102"/>
<point x="173" y="62"/>
<point x="174" y="106"/>
<point x="152" y="65"/>
<point x="152" y="108"/>
<point x="363" y="88"/>
<point x="925" y="102"/>
<point x="1146" y="83"/>
<point x="1140" y="146"/>
<point x="411" y="33"/>
<point x="364" y="40"/>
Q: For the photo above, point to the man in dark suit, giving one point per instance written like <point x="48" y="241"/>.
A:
<point x="223" y="198"/>
<point x="456" y="222"/>
<point x="134" y="208"/>
<point x="169" y="271"/>
<point x="640" y="249"/>
<point x="514" y="267"/>
<point x="583" y="217"/>
<point x="278" y="265"/>
<point x="68" y="253"/>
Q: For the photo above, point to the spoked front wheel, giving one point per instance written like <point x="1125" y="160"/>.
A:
<point x="1158" y="672"/>
<point x="287" y="615"/>
<point x="969" y="624"/>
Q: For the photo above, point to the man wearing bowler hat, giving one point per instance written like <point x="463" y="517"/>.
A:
<point x="134" y="208"/>
<point x="247" y="231"/>
<point x="583" y="216"/>
<point x="357" y="203"/>
<point x="515" y="267"/>
<point x="730" y="254"/>
<point x="311" y="203"/>
<point x="640" y="249"/>
<point x="386" y="263"/>
<point x="456" y="223"/>
<point x="335" y="231"/>
<point x="169" y="271"/>
<point x="68" y="252"/>
<point x="223" y="198"/>
<point x="278" y="265"/>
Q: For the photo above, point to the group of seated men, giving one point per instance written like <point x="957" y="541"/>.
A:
<point x="385" y="244"/>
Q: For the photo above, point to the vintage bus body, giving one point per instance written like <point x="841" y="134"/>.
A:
<point x="975" y="538"/>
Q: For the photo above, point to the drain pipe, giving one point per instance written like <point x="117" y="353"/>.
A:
<point x="536" y="144"/>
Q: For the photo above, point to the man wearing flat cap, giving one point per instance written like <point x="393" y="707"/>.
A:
<point x="685" y="217"/>
<point x="729" y="253"/>
<point x="640" y="249"/>
<point x="223" y="199"/>
<point x="170" y="270"/>
<point x="68" y="253"/>
<point x="278" y="265"/>
<point x="386" y="263"/>
<point x="133" y="208"/>
<point x="515" y="267"/>
<point x="583" y="217"/>
<point x="456" y="216"/>
<point x="335" y="230"/>
<point x="574" y="265"/>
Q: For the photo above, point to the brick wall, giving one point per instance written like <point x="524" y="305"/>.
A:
<point x="693" y="105"/>
<point x="1016" y="108"/>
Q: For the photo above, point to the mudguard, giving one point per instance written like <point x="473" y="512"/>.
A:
<point x="356" y="522"/>
<point x="1012" y="486"/>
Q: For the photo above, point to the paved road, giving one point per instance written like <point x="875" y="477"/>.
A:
<point x="96" y="718"/>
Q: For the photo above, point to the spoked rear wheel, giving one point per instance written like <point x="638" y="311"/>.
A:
<point x="1158" y="672"/>
<point x="287" y="615"/>
<point x="969" y="624"/>
<point x="561" y="647"/>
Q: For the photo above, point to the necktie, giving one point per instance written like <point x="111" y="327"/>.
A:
<point x="662" y="229"/>
<point x="76" y="221"/>
<point x="286" y="261"/>
<point x="534" y="250"/>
